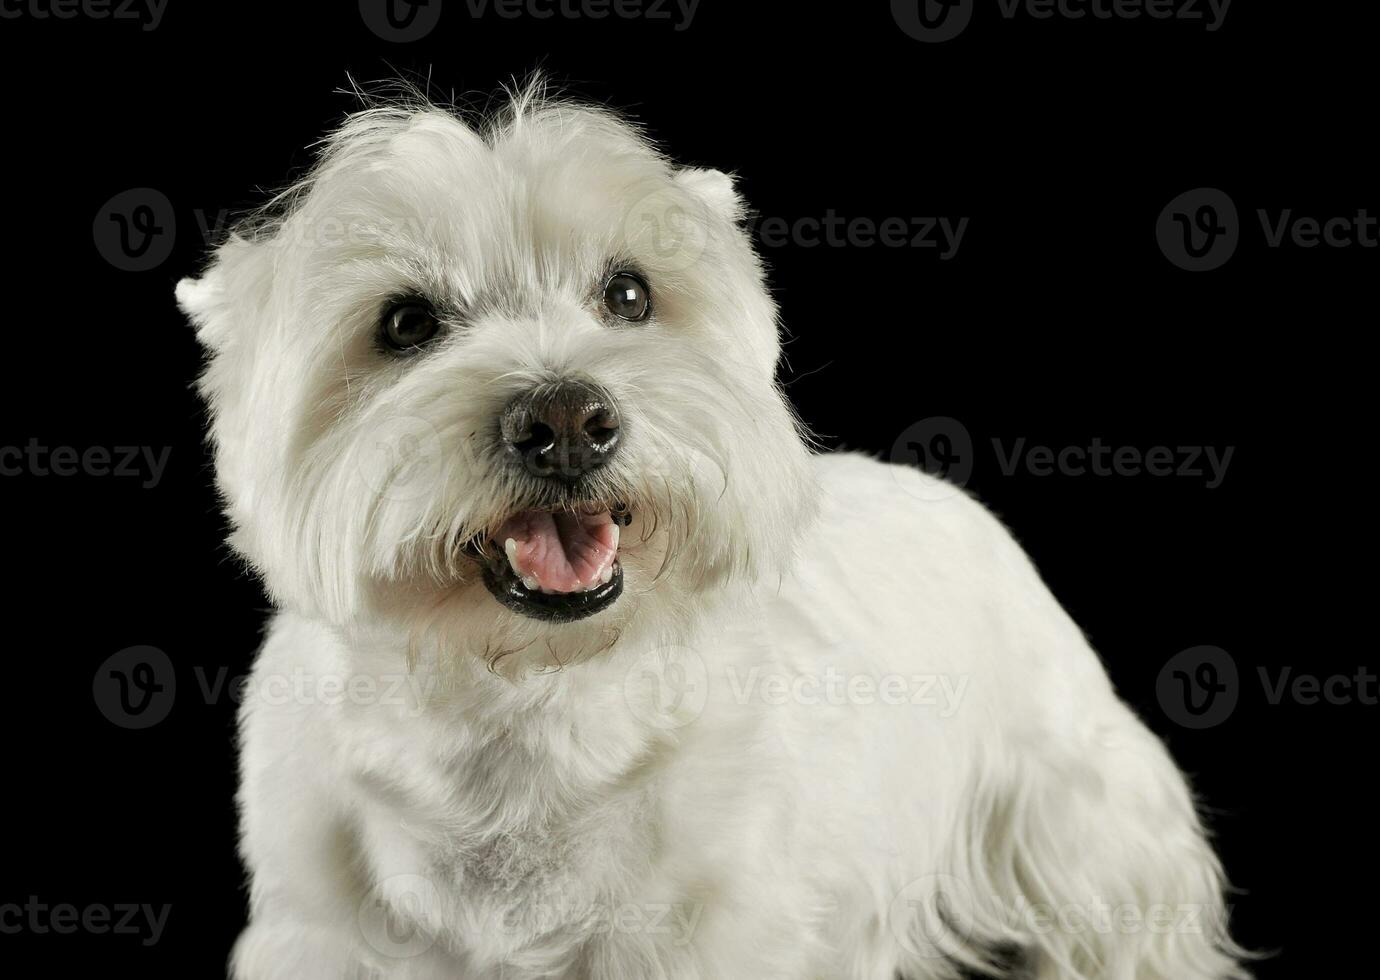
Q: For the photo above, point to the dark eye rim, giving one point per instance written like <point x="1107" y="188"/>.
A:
<point x="387" y="343"/>
<point x="646" y="313"/>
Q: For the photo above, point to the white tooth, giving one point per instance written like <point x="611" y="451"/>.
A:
<point x="510" y="549"/>
<point x="530" y="581"/>
<point x="615" y="537"/>
<point x="606" y="575"/>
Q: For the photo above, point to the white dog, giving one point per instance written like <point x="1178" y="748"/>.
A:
<point x="586" y="666"/>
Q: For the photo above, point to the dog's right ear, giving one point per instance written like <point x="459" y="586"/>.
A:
<point x="230" y="294"/>
<point x="715" y="188"/>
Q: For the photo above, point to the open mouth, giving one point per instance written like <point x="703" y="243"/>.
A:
<point x="557" y="566"/>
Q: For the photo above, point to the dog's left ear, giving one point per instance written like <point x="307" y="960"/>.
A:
<point x="715" y="188"/>
<point x="233" y="288"/>
<point x="198" y="299"/>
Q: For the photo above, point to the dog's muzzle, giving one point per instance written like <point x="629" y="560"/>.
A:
<point x="562" y="430"/>
<point x="558" y="560"/>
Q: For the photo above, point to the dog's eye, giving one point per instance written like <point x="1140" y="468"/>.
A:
<point x="407" y="326"/>
<point x="627" y="296"/>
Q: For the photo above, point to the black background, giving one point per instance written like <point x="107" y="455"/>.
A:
<point x="1058" y="320"/>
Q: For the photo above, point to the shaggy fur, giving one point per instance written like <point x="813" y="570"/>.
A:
<point x="836" y="728"/>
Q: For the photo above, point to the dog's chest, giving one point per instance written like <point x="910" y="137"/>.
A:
<point x="541" y="891"/>
<point x="518" y="867"/>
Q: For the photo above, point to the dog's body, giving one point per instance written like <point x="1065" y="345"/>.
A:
<point x="835" y="728"/>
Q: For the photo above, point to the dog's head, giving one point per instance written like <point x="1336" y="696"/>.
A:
<point x="515" y="373"/>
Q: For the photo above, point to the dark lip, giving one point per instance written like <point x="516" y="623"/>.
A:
<point x="552" y="607"/>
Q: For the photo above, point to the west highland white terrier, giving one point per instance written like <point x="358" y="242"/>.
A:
<point x="585" y="664"/>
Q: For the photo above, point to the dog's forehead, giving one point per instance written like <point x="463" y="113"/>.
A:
<point x="560" y="185"/>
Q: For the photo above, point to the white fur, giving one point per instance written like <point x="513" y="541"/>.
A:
<point x="434" y="787"/>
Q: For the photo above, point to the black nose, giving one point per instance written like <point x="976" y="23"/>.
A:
<point x="562" y="430"/>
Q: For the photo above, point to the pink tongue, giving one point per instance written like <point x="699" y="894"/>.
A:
<point x="562" y="552"/>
